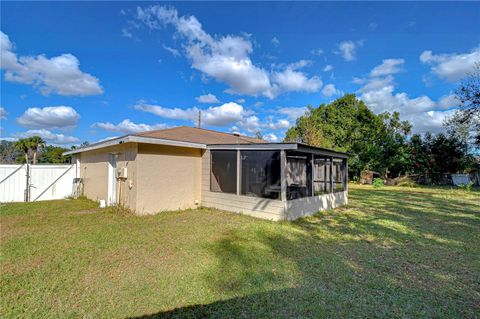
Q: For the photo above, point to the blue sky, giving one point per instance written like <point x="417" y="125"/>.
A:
<point x="74" y="72"/>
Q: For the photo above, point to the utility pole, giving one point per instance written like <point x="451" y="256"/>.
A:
<point x="199" y="119"/>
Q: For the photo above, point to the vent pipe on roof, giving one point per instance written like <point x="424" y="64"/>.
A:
<point x="199" y="119"/>
<point x="236" y="134"/>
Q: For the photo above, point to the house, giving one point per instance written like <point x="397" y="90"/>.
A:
<point x="186" y="167"/>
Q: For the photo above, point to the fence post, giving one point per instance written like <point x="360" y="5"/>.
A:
<point x="27" y="184"/>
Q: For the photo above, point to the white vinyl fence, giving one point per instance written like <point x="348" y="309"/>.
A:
<point x="44" y="182"/>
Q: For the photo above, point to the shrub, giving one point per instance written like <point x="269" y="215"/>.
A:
<point x="377" y="182"/>
<point x="467" y="187"/>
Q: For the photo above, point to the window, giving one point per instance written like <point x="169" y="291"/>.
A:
<point x="261" y="174"/>
<point x="223" y="173"/>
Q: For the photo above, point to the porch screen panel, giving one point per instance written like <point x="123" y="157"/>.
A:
<point x="223" y="173"/>
<point x="260" y="174"/>
<point x="298" y="176"/>
<point x="338" y="175"/>
<point x="320" y="175"/>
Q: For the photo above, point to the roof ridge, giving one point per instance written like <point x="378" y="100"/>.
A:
<point x="199" y="128"/>
<point x="160" y="130"/>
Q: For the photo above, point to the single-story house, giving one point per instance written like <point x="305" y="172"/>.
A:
<point x="186" y="167"/>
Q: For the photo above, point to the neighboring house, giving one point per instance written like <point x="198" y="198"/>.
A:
<point x="186" y="167"/>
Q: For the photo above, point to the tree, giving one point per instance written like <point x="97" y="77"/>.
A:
<point x="393" y="141"/>
<point x="468" y="94"/>
<point x="437" y="154"/>
<point x="259" y="135"/>
<point x="36" y="143"/>
<point x="23" y="145"/>
<point x="53" y="154"/>
<point x="8" y="152"/>
<point x="375" y="142"/>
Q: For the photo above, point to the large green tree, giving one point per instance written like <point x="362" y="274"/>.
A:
<point x="376" y="142"/>
<point x="465" y="122"/>
<point x="53" y="154"/>
<point x="433" y="155"/>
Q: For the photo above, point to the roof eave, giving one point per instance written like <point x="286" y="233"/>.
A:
<point x="279" y="146"/>
<point x="135" y="139"/>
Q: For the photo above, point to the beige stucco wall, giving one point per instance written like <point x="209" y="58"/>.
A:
<point x="168" y="178"/>
<point x="94" y="172"/>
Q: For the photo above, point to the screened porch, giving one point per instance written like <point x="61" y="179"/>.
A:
<point x="283" y="171"/>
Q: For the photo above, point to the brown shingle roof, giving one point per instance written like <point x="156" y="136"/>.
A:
<point x="198" y="135"/>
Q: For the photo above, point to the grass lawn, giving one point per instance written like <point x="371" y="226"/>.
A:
<point x="393" y="252"/>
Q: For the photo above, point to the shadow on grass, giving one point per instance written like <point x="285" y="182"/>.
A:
<point x="388" y="254"/>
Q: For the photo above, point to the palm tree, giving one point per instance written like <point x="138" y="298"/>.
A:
<point x="36" y="143"/>
<point x="23" y="145"/>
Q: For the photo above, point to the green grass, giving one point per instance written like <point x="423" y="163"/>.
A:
<point x="393" y="252"/>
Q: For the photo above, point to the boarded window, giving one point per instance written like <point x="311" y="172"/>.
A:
<point x="223" y="174"/>
<point x="261" y="174"/>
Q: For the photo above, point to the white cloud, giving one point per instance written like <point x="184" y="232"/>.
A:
<point x="207" y="98"/>
<point x="59" y="75"/>
<point x="448" y="101"/>
<point x="316" y="52"/>
<point x="291" y="80"/>
<point x="330" y="90"/>
<point x="292" y="112"/>
<point x="372" y="26"/>
<point x="173" y="51"/>
<point x="431" y="121"/>
<point x="48" y="136"/>
<point x="3" y="113"/>
<point x="241" y="101"/>
<point x="378" y="93"/>
<point x="451" y="67"/>
<point x="254" y="124"/>
<point x="258" y="104"/>
<point x="384" y="99"/>
<point x="388" y="66"/>
<point x="251" y="124"/>
<point x="271" y="137"/>
<point x="348" y="49"/>
<point x="222" y="115"/>
<point x="327" y="68"/>
<point x="8" y="139"/>
<point x="126" y="33"/>
<point x="49" y="117"/>
<point x="275" y="41"/>
<point x="226" y="58"/>
<point x="279" y="124"/>
<point x="373" y="84"/>
<point x="128" y="127"/>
